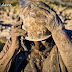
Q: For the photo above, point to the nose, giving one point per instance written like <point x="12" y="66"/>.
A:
<point x="36" y="43"/>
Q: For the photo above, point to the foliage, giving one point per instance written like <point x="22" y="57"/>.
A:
<point x="14" y="3"/>
<point x="58" y="4"/>
<point x="2" y="42"/>
<point x="1" y="45"/>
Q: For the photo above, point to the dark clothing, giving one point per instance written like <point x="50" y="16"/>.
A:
<point x="51" y="64"/>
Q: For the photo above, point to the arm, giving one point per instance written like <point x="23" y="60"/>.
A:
<point x="64" y="46"/>
<point x="14" y="46"/>
<point x="5" y="48"/>
<point x="4" y="61"/>
<point x="56" y="27"/>
<point x="61" y="39"/>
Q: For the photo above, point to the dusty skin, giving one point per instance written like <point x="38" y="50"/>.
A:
<point x="41" y="14"/>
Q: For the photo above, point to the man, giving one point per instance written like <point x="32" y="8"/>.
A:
<point x="59" y="57"/>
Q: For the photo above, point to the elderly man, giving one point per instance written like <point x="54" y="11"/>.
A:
<point x="42" y="25"/>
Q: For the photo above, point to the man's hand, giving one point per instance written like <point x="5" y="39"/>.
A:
<point x="15" y="33"/>
<point x="54" y="22"/>
<point x="40" y="13"/>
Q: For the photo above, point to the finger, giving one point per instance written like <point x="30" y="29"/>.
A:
<point x="17" y="30"/>
<point x="17" y="24"/>
<point x="40" y="15"/>
<point x="43" y="5"/>
<point x="52" y="12"/>
<point x="20" y="34"/>
<point x="40" y="10"/>
<point x="16" y="35"/>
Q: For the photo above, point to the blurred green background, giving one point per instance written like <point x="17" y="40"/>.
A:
<point x="2" y="42"/>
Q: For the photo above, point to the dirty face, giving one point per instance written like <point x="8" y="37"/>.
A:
<point x="34" y="19"/>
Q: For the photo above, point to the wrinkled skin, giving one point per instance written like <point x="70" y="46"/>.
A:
<point x="42" y="14"/>
<point x="52" y="22"/>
